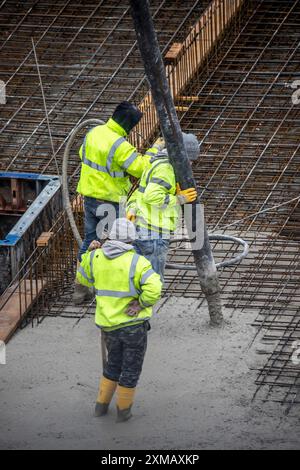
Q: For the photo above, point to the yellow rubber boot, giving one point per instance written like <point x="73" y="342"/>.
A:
<point x="125" y="398"/>
<point x="107" y="388"/>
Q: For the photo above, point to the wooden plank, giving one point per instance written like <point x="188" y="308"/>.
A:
<point x="17" y="306"/>
<point x="188" y="98"/>
<point x="182" y="108"/>
<point x="173" y="52"/>
<point x="183" y="59"/>
<point x="44" y="238"/>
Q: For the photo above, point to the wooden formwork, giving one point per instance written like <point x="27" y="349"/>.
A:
<point x="184" y="59"/>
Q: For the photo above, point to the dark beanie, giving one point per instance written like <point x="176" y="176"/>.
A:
<point x="127" y="115"/>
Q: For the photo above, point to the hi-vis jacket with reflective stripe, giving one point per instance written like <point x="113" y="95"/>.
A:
<point x="107" y="161"/>
<point x="155" y="202"/>
<point x="117" y="282"/>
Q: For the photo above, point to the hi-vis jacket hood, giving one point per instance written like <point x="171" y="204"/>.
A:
<point x="115" y="248"/>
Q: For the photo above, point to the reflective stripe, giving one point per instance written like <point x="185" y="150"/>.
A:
<point x="88" y="162"/>
<point x="94" y="165"/>
<point x="164" y="161"/>
<point x="136" y="321"/>
<point x="152" y="227"/>
<point x="166" y="202"/>
<point x="81" y="271"/>
<point x="91" y="265"/>
<point x="112" y="293"/>
<point x="132" y="290"/>
<point x="161" y="183"/>
<point x="130" y="160"/>
<point x="144" y="304"/>
<point x="132" y="273"/>
<point x="83" y="146"/>
<point x="146" y="275"/>
<point x="149" y="152"/>
<point x="117" y="174"/>
<point x="103" y="169"/>
<point x="112" y="152"/>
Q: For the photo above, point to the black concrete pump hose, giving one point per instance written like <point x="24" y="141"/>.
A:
<point x="67" y="204"/>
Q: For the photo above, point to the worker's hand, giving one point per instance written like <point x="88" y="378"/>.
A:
<point x="160" y="144"/>
<point x="134" y="308"/>
<point x="131" y="215"/>
<point x="185" y="196"/>
<point x="94" y="245"/>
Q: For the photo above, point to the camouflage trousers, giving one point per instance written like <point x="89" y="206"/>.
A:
<point x="126" y="348"/>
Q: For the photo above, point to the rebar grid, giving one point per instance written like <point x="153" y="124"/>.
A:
<point x="242" y="109"/>
<point x="89" y="62"/>
<point x="239" y="104"/>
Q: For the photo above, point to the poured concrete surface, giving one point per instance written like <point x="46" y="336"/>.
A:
<point x="195" y="390"/>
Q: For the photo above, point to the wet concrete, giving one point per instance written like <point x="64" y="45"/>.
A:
<point x="195" y="390"/>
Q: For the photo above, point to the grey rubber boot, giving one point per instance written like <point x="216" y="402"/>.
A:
<point x="81" y="294"/>
<point x="101" y="409"/>
<point x="123" y="415"/>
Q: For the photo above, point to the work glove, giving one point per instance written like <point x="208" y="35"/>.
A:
<point x="185" y="196"/>
<point x="131" y="215"/>
<point x="134" y="308"/>
<point x="159" y="144"/>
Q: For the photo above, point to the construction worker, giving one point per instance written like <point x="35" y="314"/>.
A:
<point x="107" y="161"/>
<point x="155" y="205"/>
<point x="126" y="289"/>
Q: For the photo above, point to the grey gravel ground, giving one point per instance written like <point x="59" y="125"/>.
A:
<point x="195" y="391"/>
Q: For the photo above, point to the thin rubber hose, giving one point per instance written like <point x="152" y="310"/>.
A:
<point x="237" y="259"/>
<point x="65" y="185"/>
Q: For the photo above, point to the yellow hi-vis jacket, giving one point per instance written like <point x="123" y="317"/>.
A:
<point x="155" y="202"/>
<point x="118" y="282"/>
<point x="107" y="161"/>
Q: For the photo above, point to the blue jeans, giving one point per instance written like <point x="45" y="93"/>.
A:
<point x="91" y="220"/>
<point x="155" y="251"/>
